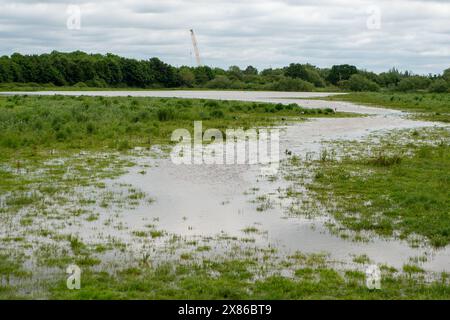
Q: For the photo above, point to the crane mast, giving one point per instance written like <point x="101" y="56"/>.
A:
<point x="194" y="43"/>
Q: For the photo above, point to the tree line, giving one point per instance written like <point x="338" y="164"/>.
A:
<point x="96" y="70"/>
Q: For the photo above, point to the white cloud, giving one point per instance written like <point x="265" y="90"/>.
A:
<point x="414" y="34"/>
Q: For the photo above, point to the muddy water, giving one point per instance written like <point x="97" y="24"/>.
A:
<point x="207" y="201"/>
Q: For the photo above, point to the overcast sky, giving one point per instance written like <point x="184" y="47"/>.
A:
<point x="375" y="35"/>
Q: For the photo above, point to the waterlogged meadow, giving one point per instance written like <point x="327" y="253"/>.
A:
<point x="88" y="181"/>
<point x="393" y="185"/>
<point x="120" y="123"/>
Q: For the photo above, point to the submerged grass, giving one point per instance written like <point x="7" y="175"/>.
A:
<point x="391" y="194"/>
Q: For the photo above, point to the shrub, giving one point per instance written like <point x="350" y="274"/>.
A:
<point x="341" y="73"/>
<point x="360" y="83"/>
<point x="413" y="83"/>
<point x="304" y="72"/>
<point x="80" y="85"/>
<point x="446" y="75"/>
<point x="289" y="84"/>
<point x="97" y="82"/>
<point x="405" y="85"/>
<point x="220" y="82"/>
<point x="439" y="86"/>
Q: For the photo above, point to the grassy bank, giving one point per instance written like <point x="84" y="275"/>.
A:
<point x="58" y="122"/>
<point x="394" y="190"/>
<point x="427" y="106"/>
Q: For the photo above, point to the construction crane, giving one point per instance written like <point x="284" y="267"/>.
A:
<point x="197" y="53"/>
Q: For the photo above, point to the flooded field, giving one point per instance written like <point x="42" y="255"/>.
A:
<point x="220" y="207"/>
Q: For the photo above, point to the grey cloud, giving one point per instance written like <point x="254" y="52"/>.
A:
<point x="414" y="34"/>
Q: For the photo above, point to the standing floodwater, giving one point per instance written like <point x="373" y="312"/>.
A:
<point x="201" y="201"/>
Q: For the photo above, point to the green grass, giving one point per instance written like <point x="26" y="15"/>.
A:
<point x="391" y="193"/>
<point x="11" y="267"/>
<point x="37" y="130"/>
<point x="429" y="106"/>
<point x="233" y="279"/>
<point x="29" y="123"/>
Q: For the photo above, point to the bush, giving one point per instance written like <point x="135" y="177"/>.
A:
<point x="237" y="85"/>
<point x="80" y="85"/>
<point x="446" y="75"/>
<point x="97" y="83"/>
<point x="439" y="86"/>
<point x="289" y="84"/>
<point x="305" y="72"/>
<point x="360" y="83"/>
<point x="413" y="83"/>
<point x="341" y="73"/>
<point x="405" y="85"/>
<point x="220" y="82"/>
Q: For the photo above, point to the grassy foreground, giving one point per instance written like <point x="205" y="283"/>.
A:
<point x="40" y="196"/>
<point x="394" y="190"/>
<point x="234" y="280"/>
<point x="312" y="278"/>
<point x="428" y="106"/>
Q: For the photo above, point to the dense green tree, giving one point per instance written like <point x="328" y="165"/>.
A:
<point x="203" y="74"/>
<point x="251" y="71"/>
<point x="5" y="70"/>
<point x="390" y="79"/>
<point x="305" y="72"/>
<point x="446" y="75"/>
<point x="97" y="70"/>
<point x="162" y="73"/>
<point x="235" y="73"/>
<point x="341" y="72"/>
<point x="296" y="70"/>
<point x="187" y="77"/>
<point x="136" y="74"/>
